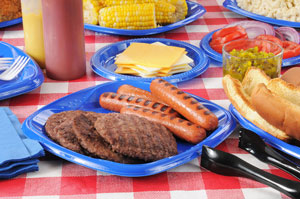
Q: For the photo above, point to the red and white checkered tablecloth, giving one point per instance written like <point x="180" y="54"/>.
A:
<point x="61" y="179"/>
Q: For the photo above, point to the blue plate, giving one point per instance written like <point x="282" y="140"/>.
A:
<point x="29" y="79"/>
<point x="232" y="5"/>
<point x="204" y="45"/>
<point x="11" y="22"/>
<point x="195" y="11"/>
<point x="87" y="100"/>
<point x="268" y="138"/>
<point x="102" y="61"/>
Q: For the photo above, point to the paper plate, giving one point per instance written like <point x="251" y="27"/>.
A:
<point x="87" y="100"/>
<point x="204" y="45"/>
<point x="29" y="79"/>
<point x="268" y="138"/>
<point x="195" y="11"/>
<point x="102" y="61"/>
<point x="11" y="22"/>
<point x="232" y="5"/>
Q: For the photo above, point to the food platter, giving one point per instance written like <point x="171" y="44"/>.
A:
<point x="204" y="45"/>
<point x="268" y="138"/>
<point x="232" y="5"/>
<point x="102" y="61"/>
<point x="10" y="22"/>
<point x="29" y="79"/>
<point x="195" y="11"/>
<point x="87" y="100"/>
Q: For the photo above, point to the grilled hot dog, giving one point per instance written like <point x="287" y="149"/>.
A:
<point x="181" y="128"/>
<point x="114" y="102"/>
<point x="184" y="104"/>
<point x="134" y="91"/>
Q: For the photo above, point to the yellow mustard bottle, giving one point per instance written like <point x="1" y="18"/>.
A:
<point x="33" y="30"/>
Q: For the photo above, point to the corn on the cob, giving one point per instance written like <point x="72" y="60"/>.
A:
<point x="164" y="11"/>
<point x="132" y="16"/>
<point x="181" y="8"/>
<point x="91" y="11"/>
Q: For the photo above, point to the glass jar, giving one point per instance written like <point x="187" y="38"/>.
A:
<point x="239" y="55"/>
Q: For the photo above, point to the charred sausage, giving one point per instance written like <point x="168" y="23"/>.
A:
<point x="134" y="91"/>
<point x="184" y="104"/>
<point x="114" y="102"/>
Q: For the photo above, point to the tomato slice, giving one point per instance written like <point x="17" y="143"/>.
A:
<point x="290" y="49"/>
<point x="218" y="47"/>
<point x="270" y="38"/>
<point x="226" y="31"/>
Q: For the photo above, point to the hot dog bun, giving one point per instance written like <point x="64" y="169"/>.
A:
<point x="253" y="77"/>
<point x="278" y="111"/>
<point x="242" y="102"/>
<point x="285" y="90"/>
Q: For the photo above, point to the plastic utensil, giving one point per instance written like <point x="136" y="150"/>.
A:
<point x="227" y="164"/>
<point x="15" y="68"/>
<point x="252" y="143"/>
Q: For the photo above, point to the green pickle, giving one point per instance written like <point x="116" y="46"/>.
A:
<point x="240" y="60"/>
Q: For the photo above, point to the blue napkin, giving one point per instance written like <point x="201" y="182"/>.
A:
<point x="18" y="154"/>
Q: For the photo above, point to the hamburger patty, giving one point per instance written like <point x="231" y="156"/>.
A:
<point x="59" y="128"/>
<point x="136" y="137"/>
<point x="90" y="140"/>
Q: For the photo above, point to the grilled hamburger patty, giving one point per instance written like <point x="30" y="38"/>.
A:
<point x="90" y="140"/>
<point x="136" y="137"/>
<point x="59" y="128"/>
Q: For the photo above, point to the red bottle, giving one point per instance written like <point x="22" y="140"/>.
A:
<point x="64" y="39"/>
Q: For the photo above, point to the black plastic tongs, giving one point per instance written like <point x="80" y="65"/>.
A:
<point x="227" y="164"/>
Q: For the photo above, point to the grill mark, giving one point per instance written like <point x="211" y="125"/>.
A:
<point x="187" y="97"/>
<point x="130" y="98"/>
<point x="145" y="110"/>
<point x="105" y="94"/>
<point x="163" y="115"/>
<point x="189" y="124"/>
<point x="194" y="102"/>
<point x="122" y="97"/>
<point x="160" y="80"/>
<point x="147" y="102"/>
<point x="207" y="113"/>
<point x="167" y="84"/>
<point x="163" y="108"/>
<point x="113" y="95"/>
<point x="155" y="105"/>
<point x="138" y="100"/>
<point x="173" y="88"/>
<point x="180" y="120"/>
<point x="200" y="107"/>
<point x="136" y="108"/>
<point x="180" y="92"/>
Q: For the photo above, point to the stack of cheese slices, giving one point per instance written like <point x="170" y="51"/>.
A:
<point x="271" y="104"/>
<point x="152" y="60"/>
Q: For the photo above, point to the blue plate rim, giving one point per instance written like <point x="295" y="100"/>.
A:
<point x="268" y="138"/>
<point x="201" y="12"/>
<point x="137" y="170"/>
<point x="196" y="71"/>
<point x="28" y="84"/>
<point x="232" y="5"/>
<point x="204" y="45"/>
<point x="10" y="22"/>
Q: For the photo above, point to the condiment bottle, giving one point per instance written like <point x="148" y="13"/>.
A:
<point x="33" y="30"/>
<point x="64" y="39"/>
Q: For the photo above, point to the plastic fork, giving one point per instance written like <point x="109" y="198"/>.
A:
<point x="5" y="62"/>
<point x="15" y="68"/>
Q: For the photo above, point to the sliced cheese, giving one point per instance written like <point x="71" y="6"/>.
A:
<point x="148" y="55"/>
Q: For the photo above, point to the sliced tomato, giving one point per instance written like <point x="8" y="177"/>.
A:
<point x="225" y="31"/>
<point x="290" y="49"/>
<point x="218" y="47"/>
<point x="265" y="46"/>
<point x="269" y="38"/>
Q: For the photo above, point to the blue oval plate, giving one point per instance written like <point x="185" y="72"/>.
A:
<point x="195" y="11"/>
<point x="268" y="138"/>
<point x="87" y="100"/>
<point x="232" y="5"/>
<point x="102" y="61"/>
<point x="11" y="22"/>
<point x="29" y="79"/>
<point x="204" y="45"/>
